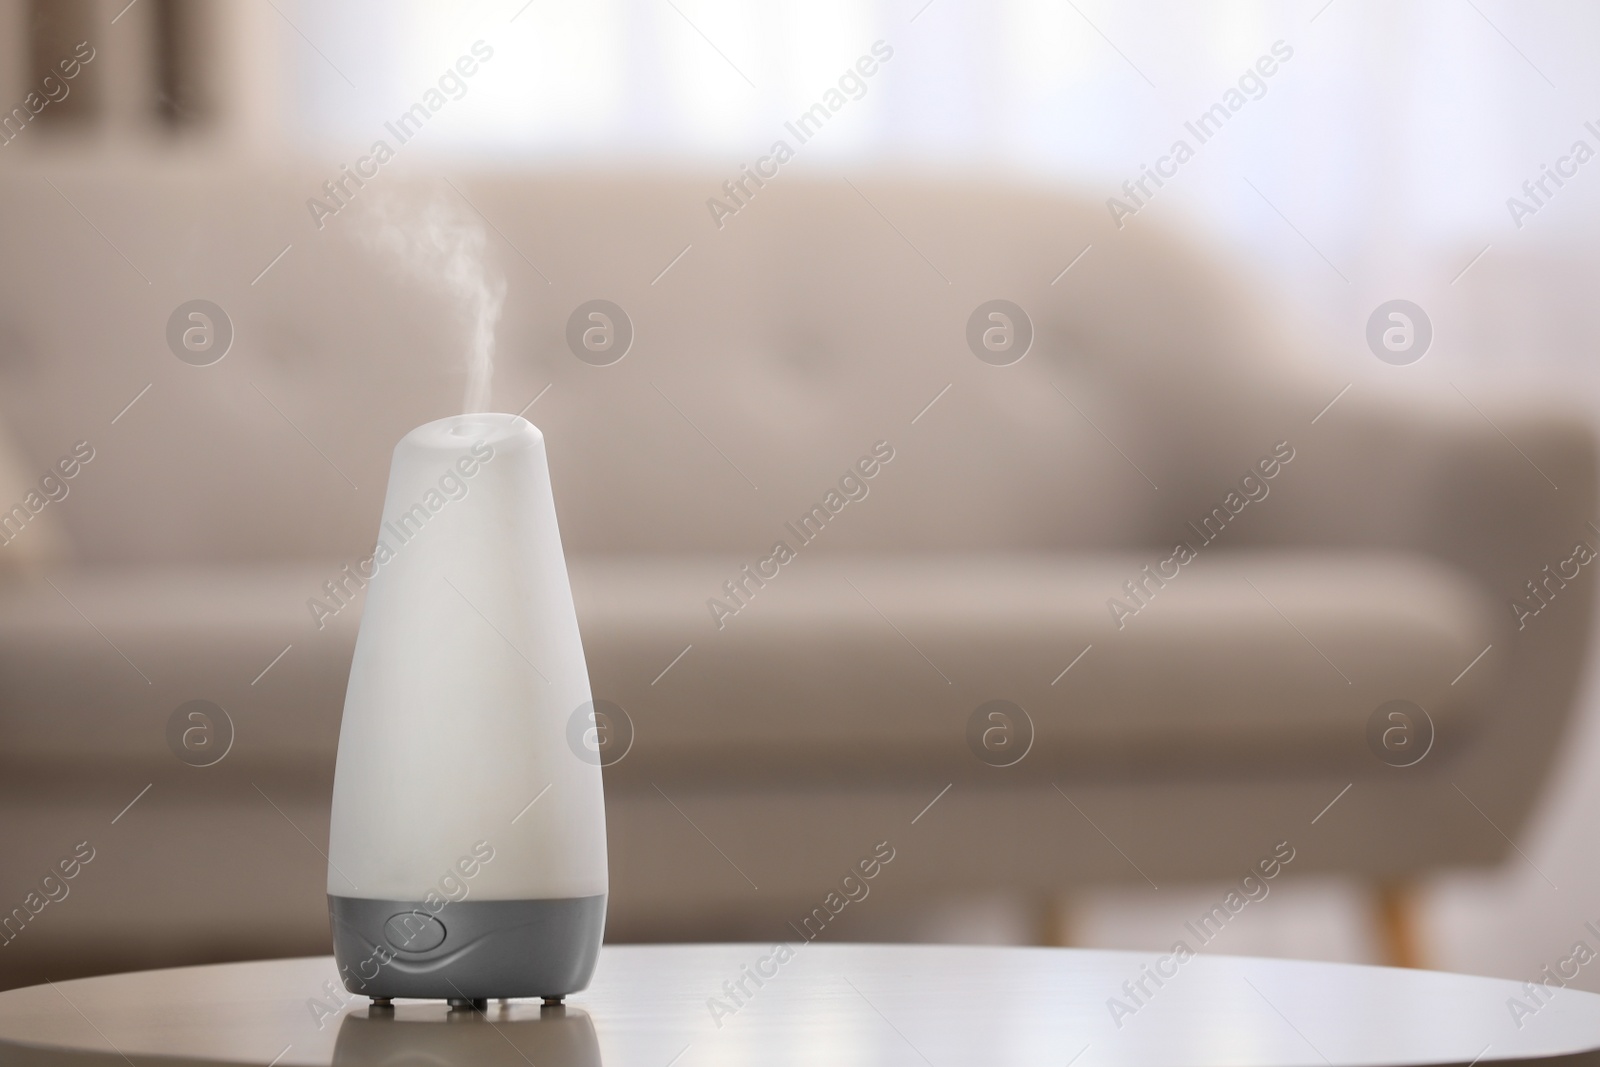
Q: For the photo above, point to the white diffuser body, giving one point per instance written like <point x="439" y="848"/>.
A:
<point x="467" y="853"/>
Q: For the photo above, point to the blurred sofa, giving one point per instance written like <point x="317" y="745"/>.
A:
<point x="1219" y="711"/>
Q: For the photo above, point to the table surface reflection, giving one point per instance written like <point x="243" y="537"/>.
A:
<point x="682" y="1005"/>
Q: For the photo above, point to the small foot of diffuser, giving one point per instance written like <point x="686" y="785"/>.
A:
<point x="469" y="1003"/>
<point x="553" y="1001"/>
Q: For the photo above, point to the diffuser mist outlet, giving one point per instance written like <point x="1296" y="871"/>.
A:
<point x="467" y="854"/>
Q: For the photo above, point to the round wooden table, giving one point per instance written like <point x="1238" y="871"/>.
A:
<point x="923" y="1005"/>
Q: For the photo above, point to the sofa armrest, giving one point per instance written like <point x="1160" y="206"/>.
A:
<point x="1499" y="489"/>
<point x="1496" y="488"/>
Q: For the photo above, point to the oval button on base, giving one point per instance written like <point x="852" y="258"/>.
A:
<point x="414" y="931"/>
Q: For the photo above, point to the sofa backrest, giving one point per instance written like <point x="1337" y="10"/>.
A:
<point x="770" y="354"/>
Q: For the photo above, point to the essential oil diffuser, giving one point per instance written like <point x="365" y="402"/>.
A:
<point x="467" y="854"/>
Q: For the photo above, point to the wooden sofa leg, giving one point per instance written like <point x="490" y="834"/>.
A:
<point x="1397" y="924"/>
<point x="1055" y="921"/>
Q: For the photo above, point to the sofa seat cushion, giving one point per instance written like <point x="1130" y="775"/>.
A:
<point x="840" y="667"/>
<point x="1260" y="663"/>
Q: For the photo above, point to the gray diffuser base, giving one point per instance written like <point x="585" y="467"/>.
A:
<point x="471" y="949"/>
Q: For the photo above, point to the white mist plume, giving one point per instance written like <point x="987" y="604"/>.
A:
<point x="441" y="244"/>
